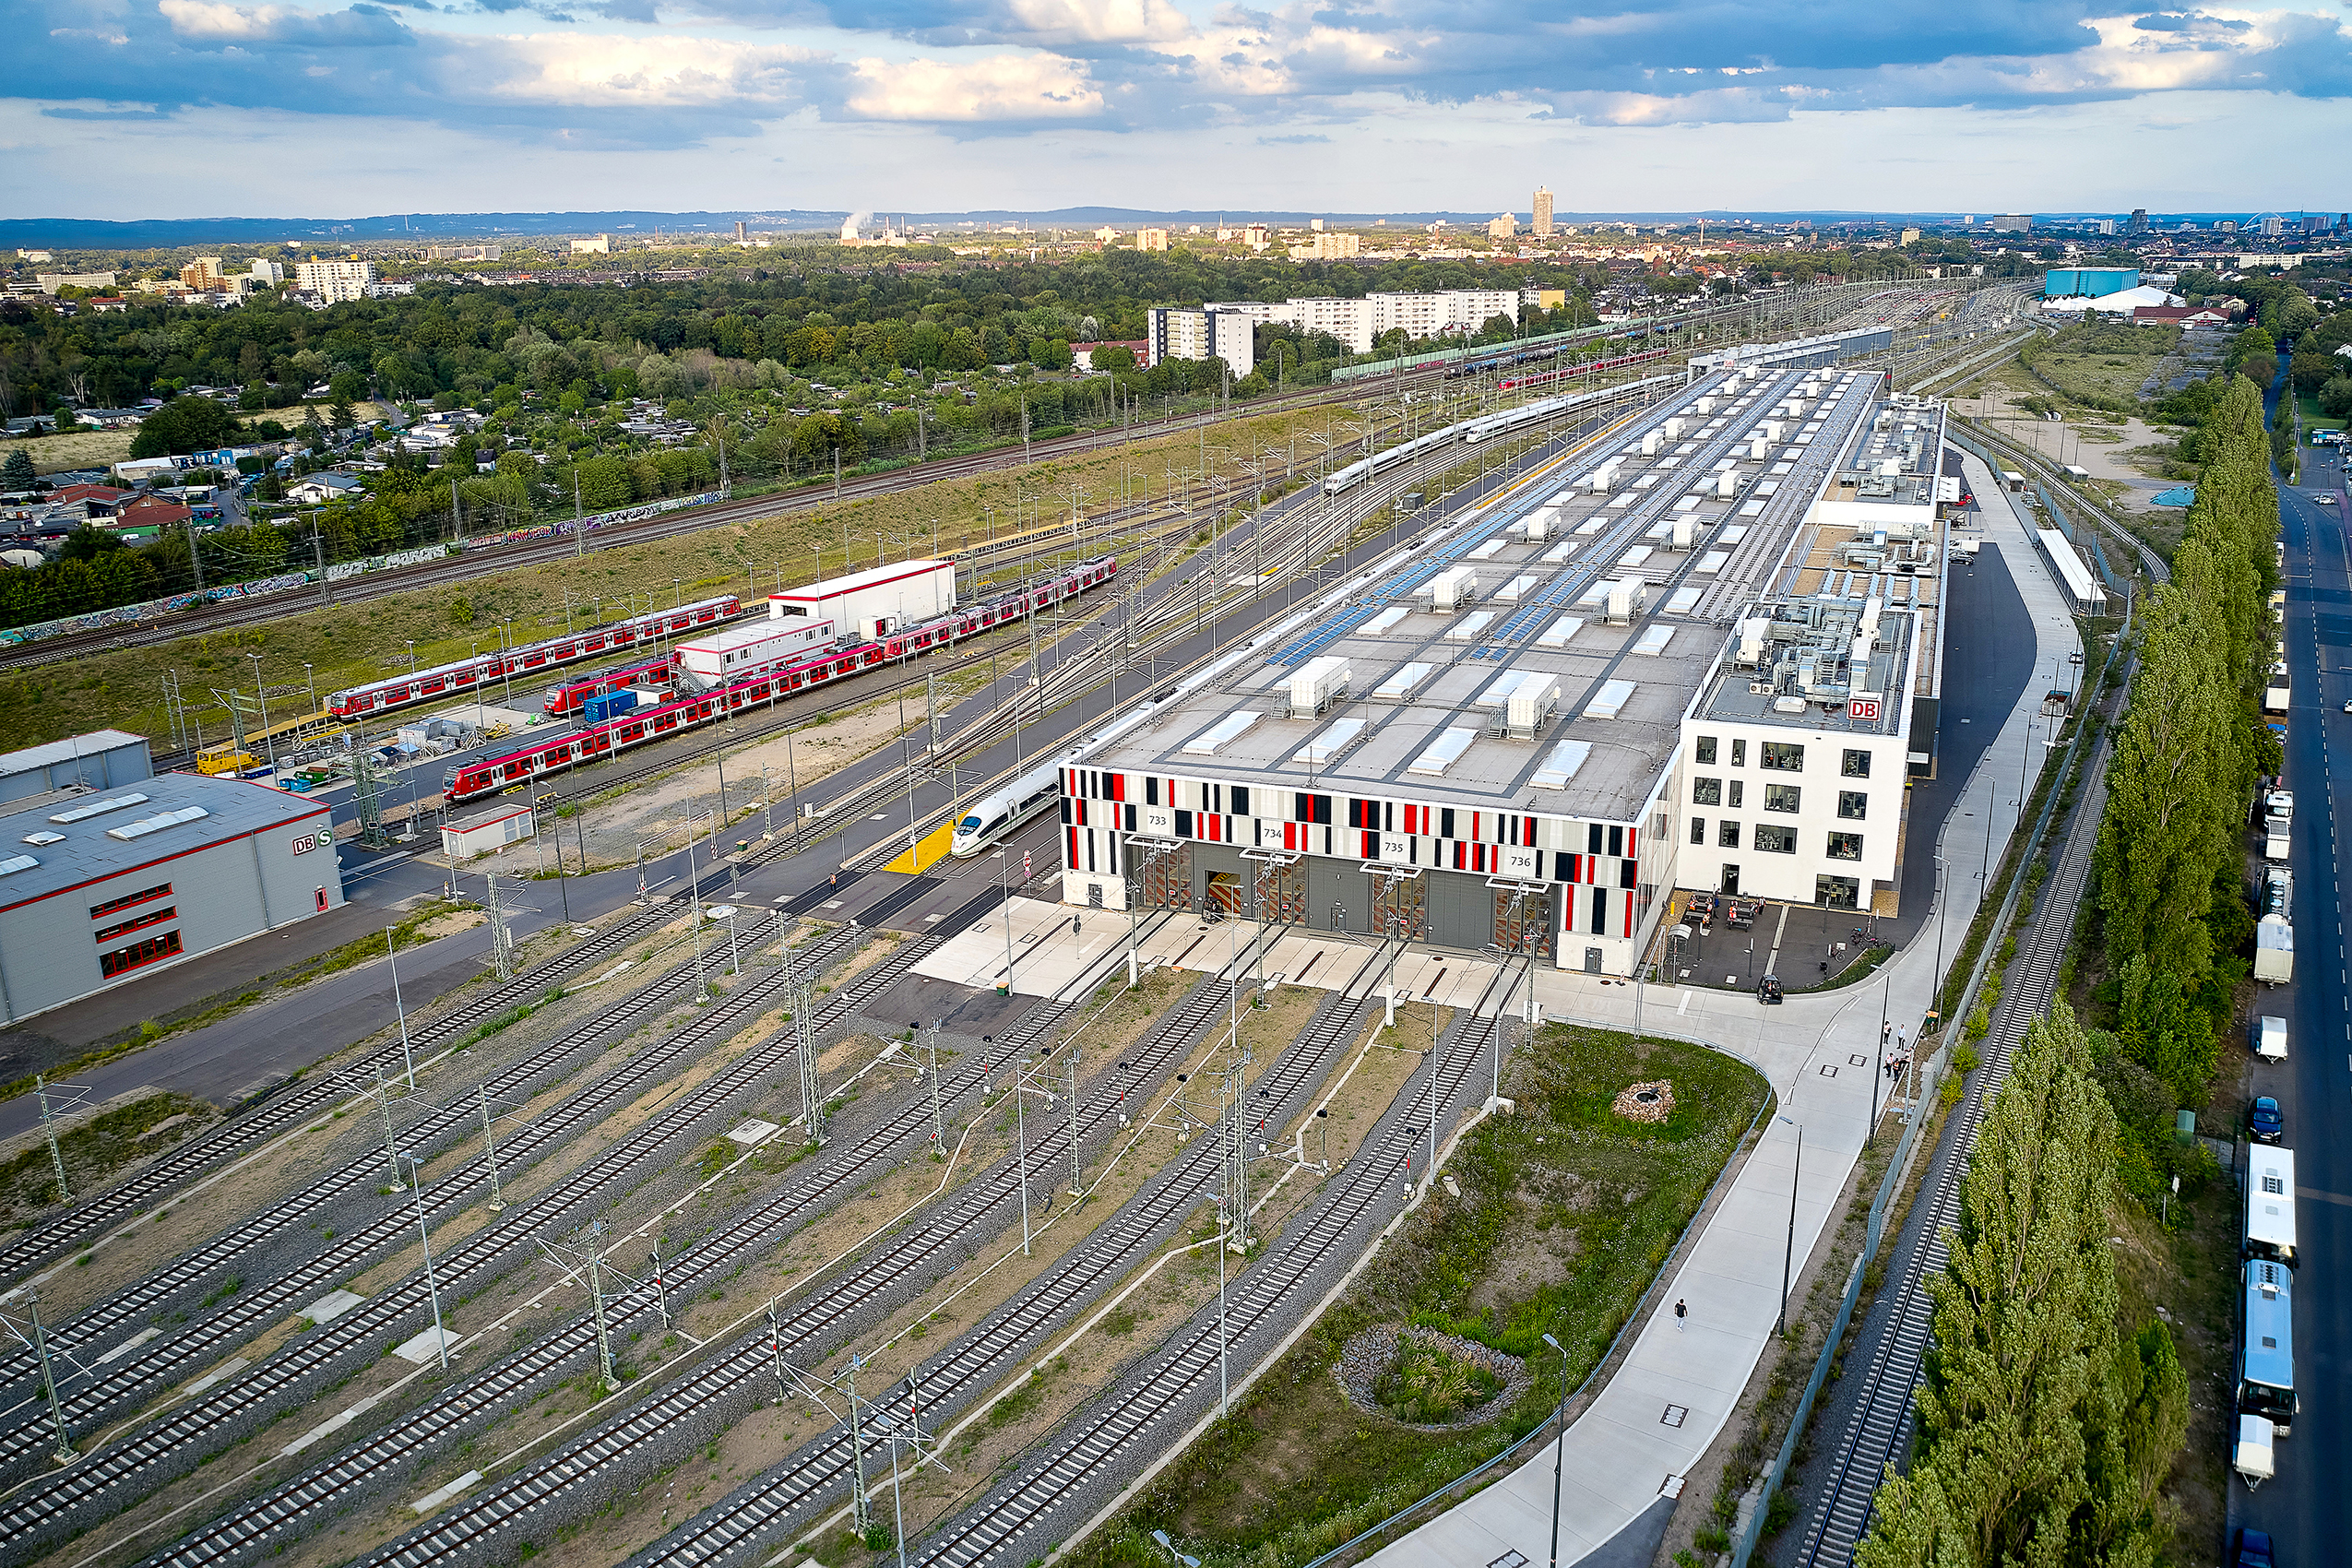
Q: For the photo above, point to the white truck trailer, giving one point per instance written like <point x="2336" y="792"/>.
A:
<point x="2273" y="950"/>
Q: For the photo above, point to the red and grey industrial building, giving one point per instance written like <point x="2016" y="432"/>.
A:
<point x="110" y="872"/>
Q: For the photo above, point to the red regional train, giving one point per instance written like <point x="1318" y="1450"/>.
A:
<point x="573" y="694"/>
<point x="453" y="680"/>
<point x="1573" y="372"/>
<point x="488" y="777"/>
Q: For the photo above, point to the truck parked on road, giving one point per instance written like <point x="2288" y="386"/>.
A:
<point x="2273" y="950"/>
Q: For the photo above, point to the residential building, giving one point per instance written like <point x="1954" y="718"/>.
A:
<point x="2139" y="224"/>
<point x="1151" y="239"/>
<point x="316" y="489"/>
<point x="1502" y="225"/>
<point x="2013" y="223"/>
<point x="51" y="281"/>
<point x="469" y="253"/>
<point x="1534" y="729"/>
<point x="1327" y="247"/>
<point x="1909" y="237"/>
<point x="1108" y="235"/>
<point x="35" y="255"/>
<point x="1203" y="334"/>
<point x="2272" y="225"/>
<point x="1082" y="354"/>
<point x="335" y="282"/>
<point x="1543" y="212"/>
<point x="267" y="273"/>
<point x="204" y="272"/>
<point x="741" y="231"/>
<point x="597" y="244"/>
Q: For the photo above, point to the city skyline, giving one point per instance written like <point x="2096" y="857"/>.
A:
<point x="183" y="108"/>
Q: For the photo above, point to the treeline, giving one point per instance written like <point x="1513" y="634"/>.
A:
<point x="862" y="322"/>
<point x="2046" y="1431"/>
<point x="2173" y="918"/>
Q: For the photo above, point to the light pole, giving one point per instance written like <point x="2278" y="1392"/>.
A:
<point x="1559" y="1447"/>
<point x="1788" y="1256"/>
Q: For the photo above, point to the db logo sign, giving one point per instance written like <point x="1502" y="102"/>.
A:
<point x="1863" y="709"/>
<point x="309" y="841"/>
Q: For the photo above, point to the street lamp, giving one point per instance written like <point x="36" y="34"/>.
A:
<point x="1788" y="1256"/>
<point x="1559" y="1447"/>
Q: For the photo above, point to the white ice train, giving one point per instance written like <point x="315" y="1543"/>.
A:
<point x="992" y="819"/>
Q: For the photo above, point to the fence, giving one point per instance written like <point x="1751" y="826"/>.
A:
<point x="1750" y="1529"/>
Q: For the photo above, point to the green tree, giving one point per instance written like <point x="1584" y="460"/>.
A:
<point x="183" y="425"/>
<point x="2336" y="398"/>
<point x="2034" y="1445"/>
<point x="2170" y="809"/>
<point x="17" y="473"/>
<point x="604" y="484"/>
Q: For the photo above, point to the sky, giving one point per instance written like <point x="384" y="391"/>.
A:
<point x="128" y="108"/>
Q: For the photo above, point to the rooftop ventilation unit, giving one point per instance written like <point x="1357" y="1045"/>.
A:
<point x="1443" y="752"/>
<point x="1453" y="588"/>
<point x="1316" y="685"/>
<point x="1223" y="732"/>
<point x="1626" y="600"/>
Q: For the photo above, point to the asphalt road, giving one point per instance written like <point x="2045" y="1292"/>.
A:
<point x="2307" y="1506"/>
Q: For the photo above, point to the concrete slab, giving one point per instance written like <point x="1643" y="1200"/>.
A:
<point x="428" y="1346"/>
<point x="332" y="1305"/>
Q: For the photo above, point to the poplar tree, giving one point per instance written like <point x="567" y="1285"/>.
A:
<point x="2171" y="789"/>
<point x="2044" y="1435"/>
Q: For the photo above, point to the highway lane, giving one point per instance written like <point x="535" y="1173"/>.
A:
<point x="2307" y="1509"/>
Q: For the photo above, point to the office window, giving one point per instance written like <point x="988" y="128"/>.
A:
<point x="1775" y="840"/>
<point x="137" y="922"/>
<point x="1706" y="791"/>
<point x="1705" y="751"/>
<point x="1728" y="836"/>
<point x="1853" y="805"/>
<point x="1739" y="788"/>
<point x="1739" y="753"/>
<point x="161" y="890"/>
<point x="1698" y="830"/>
<point x="1781" y="797"/>
<point x="152" y="950"/>
<point x="1838" y="892"/>
<point x="1784" y="756"/>
<point x="1855" y="765"/>
<point x="1844" y="846"/>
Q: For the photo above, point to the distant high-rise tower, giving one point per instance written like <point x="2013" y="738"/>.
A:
<point x="739" y="230"/>
<point x="1543" y="213"/>
<point x="2139" y="220"/>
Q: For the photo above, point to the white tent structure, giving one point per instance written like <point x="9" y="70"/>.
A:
<point x="2123" y="304"/>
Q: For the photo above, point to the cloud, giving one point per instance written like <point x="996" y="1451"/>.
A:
<point x="1300" y="140"/>
<point x="1003" y="87"/>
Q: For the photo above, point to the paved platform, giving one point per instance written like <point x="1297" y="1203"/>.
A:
<point x="1679" y="1382"/>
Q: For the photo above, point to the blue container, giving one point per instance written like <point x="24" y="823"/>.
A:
<point x="608" y="705"/>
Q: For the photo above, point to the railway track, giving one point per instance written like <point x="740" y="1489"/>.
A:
<point x="230" y="614"/>
<point x="735" y="1378"/>
<point x="1089" y="1454"/>
<point x="292" y="1108"/>
<point x="171" y="1444"/>
<point x="226" y="1254"/>
<point x="1877" y="1430"/>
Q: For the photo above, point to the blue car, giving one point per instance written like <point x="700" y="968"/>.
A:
<point x="2253" y="1549"/>
<point x="2266" y="1122"/>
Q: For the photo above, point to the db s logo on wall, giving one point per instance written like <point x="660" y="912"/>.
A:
<point x="309" y="841"/>
<point x="1862" y="710"/>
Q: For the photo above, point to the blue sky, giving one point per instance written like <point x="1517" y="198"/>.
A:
<point x="180" y="108"/>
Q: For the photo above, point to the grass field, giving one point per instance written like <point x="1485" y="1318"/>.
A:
<point x="1566" y="1213"/>
<point x="2313" y="419"/>
<point x="75" y="449"/>
<point x="370" y="640"/>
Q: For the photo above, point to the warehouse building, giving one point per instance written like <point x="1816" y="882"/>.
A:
<point x="1702" y="655"/>
<point x="101" y="759"/>
<point x="871" y="603"/>
<point x="101" y="884"/>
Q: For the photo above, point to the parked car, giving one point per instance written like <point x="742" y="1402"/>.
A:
<point x="2264" y="1121"/>
<point x="2253" y="1549"/>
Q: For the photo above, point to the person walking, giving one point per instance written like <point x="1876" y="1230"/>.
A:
<point x="1681" y="1310"/>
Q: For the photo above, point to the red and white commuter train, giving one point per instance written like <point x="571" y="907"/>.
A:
<point x="473" y="780"/>
<point x="454" y="680"/>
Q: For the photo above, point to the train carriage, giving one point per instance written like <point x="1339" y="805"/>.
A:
<point x="466" y="675"/>
<point x="514" y="769"/>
